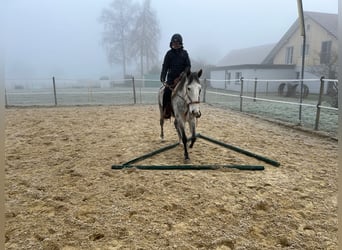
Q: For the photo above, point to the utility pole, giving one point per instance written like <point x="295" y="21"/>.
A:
<point x="302" y="33"/>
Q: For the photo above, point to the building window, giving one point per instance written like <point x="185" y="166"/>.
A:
<point x="289" y="55"/>
<point x="306" y="50"/>
<point x="237" y="77"/>
<point x="325" y="52"/>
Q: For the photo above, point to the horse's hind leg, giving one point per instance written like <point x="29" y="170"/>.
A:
<point x="161" y="113"/>
<point x="161" y="121"/>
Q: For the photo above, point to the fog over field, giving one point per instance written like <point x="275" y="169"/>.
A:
<point x="64" y="38"/>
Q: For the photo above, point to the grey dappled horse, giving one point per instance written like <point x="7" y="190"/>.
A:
<point x="185" y="100"/>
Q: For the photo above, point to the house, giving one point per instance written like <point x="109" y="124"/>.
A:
<point x="253" y="55"/>
<point x="284" y="59"/>
<point x="321" y="44"/>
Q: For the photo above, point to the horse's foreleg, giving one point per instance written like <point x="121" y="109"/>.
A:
<point x="178" y="131"/>
<point x="185" y="140"/>
<point x="180" y="128"/>
<point x="193" y="132"/>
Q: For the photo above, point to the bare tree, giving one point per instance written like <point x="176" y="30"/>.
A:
<point x="328" y="69"/>
<point x="119" y="20"/>
<point x="145" y="37"/>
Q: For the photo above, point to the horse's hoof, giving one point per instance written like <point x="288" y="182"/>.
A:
<point x="187" y="161"/>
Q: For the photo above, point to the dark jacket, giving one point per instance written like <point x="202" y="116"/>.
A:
<point x="175" y="62"/>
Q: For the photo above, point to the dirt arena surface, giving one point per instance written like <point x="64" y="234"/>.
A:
<point x="61" y="192"/>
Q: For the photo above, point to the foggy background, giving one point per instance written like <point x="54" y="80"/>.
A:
<point x="64" y="37"/>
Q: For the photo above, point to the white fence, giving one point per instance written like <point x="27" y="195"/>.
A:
<point x="314" y="106"/>
<point x="282" y="99"/>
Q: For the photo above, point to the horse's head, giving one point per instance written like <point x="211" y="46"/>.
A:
<point x="193" y="91"/>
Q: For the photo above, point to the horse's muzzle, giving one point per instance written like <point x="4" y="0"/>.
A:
<point x="197" y="114"/>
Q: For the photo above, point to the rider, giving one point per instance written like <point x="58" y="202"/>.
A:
<point x="175" y="62"/>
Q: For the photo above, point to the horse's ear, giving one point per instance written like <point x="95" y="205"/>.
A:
<point x="199" y="73"/>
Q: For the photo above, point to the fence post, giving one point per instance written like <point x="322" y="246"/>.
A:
<point x="318" y="111"/>
<point x="54" y="90"/>
<point x="205" y="89"/>
<point x="6" y="101"/>
<point x="134" y="94"/>
<point x="255" y="88"/>
<point x="241" y="93"/>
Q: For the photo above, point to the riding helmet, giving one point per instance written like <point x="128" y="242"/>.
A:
<point x="176" y="38"/>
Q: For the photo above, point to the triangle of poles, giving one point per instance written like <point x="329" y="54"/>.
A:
<point x="197" y="167"/>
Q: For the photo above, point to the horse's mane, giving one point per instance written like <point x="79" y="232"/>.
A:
<point x="180" y="84"/>
<point x="186" y="73"/>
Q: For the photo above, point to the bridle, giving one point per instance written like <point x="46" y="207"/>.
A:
<point x="189" y="102"/>
<point x="189" y="98"/>
<point x="184" y="98"/>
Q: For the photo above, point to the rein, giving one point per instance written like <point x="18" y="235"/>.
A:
<point x="175" y="83"/>
<point x="169" y="86"/>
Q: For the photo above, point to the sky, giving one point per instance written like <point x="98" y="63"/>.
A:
<point x="62" y="38"/>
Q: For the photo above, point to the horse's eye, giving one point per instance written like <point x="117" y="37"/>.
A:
<point x="189" y="89"/>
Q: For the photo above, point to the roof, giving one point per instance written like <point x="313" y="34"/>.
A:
<point x="325" y="20"/>
<point x="253" y="66"/>
<point x="264" y="54"/>
<point x="252" y="55"/>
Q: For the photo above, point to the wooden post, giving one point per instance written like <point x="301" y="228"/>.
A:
<point x="205" y="89"/>
<point x="6" y="101"/>
<point x="255" y="88"/>
<point x="54" y="90"/>
<point x="318" y="111"/>
<point x="134" y="94"/>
